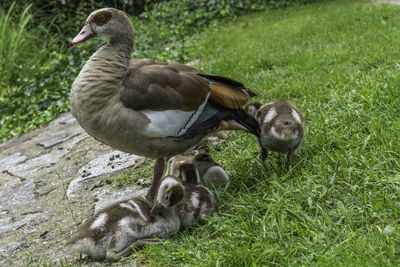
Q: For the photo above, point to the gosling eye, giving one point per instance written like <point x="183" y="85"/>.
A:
<point x="102" y="18"/>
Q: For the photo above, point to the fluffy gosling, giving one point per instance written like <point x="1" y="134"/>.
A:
<point x="112" y="232"/>
<point x="281" y="125"/>
<point x="198" y="202"/>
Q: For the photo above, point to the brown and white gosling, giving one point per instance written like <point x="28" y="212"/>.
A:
<point x="209" y="171"/>
<point x="281" y="125"/>
<point x="198" y="201"/>
<point x="112" y="232"/>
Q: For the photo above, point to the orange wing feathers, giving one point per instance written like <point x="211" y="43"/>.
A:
<point x="228" y="96"/>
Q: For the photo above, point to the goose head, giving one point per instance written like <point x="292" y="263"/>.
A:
<point x="105" y="23"/>
<point x="169" y="193"/>
<point x="286" y="128"/>
<point x="252" y="108"/>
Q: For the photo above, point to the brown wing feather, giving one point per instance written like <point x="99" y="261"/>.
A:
<point x="221" y="79"/>
<point x="228" y="96"/>
<point x="156" y="85"/>
<point x="227" y="92"/>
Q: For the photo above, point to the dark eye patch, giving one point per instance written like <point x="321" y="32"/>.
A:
<point x="102" y="18"/>
<point x="176" y="194"/>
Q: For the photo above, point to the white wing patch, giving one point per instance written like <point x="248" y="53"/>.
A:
<point x="296" y="116"/>
<point x="139" y="210"/>
<point x="127" y="206"/>
<point x="171" y="122"/>
<point x="270" y="115"/>
<point x="100" y="221"/>
<point x="195" y="199"/>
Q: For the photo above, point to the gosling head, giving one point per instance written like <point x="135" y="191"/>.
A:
<point x="284" y="120"/>
<point x="169" y="193"/>
<point x="175" y="162"/>
<point x="105" y="23"/>
<point x="279" y="119"/>
<point x="188" y="173"/>
<point x="252" y="108"/>
<point x="203" y="162"/>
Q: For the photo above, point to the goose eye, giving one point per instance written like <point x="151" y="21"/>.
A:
<point x="101" y="19"/>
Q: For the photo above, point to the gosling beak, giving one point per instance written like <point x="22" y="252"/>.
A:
<point x="85" y="34"/>
<point x="156" y="209"/>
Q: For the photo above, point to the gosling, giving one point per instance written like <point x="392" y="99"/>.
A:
<point x="281" y="125"/>
<point x="209" y="171"/>
<point x="134" y="222"/>
<point x="198" y="201"/>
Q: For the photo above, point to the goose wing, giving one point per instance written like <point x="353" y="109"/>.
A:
<point x="174" y="96"/>
<point x="158" y="86"/>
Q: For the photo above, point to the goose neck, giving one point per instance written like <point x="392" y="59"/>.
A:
<point x="123" y="43"/>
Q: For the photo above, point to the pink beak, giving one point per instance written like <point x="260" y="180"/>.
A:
<point x="85" y="34"/>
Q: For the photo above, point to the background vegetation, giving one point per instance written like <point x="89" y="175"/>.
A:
<point x="37" y="69"/>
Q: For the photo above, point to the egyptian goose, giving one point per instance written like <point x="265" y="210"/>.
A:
<point x="281" y="125"/>
<point x="112" y="232"/>
<point x="147" y="107"/>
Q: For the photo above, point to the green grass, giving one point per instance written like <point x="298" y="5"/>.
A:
<point x="23" y="46"/>
<point x="135" y="175"/>
<point x="338" y="61"/>
<point x="13" y="43"/>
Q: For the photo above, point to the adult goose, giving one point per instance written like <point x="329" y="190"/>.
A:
<point x="147" y="107"/>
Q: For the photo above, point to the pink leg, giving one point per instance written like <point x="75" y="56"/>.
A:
<point x="158" y="172"/>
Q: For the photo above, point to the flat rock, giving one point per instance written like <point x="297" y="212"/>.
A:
<point x="30" y="166"/>
<point x="8" y="225"/>
<point x="6" y="250"/>
<point x="103" y="165"/>
<point x="63" y="118"/>
<point x="60" y="138"/>
<point x="11" y="161"/>
<point x="16" y="197"/>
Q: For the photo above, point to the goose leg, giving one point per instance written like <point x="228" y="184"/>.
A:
<point x="263" y="154"/>
<point x="158" y="172"/>
<point x="290" y="158"/>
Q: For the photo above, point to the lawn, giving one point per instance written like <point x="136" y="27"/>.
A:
<point x="338" y="61"/>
